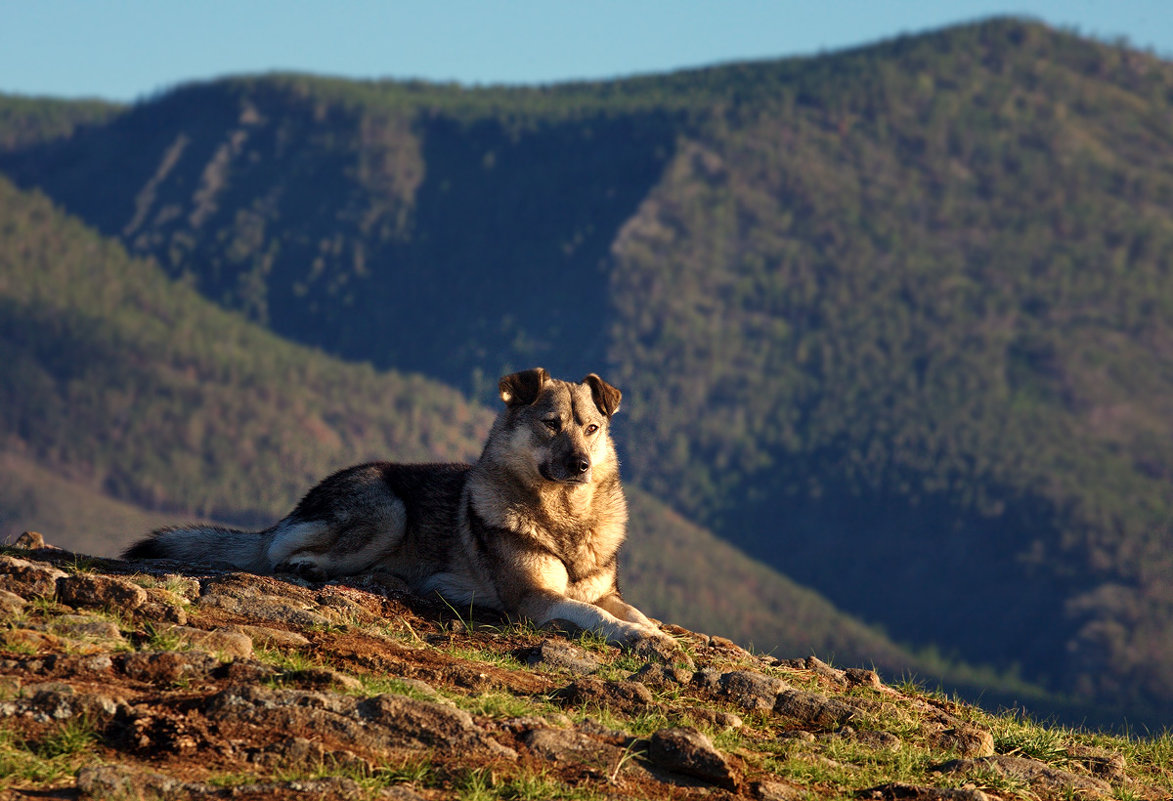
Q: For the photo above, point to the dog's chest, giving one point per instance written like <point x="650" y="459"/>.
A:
<point x="588" y="552"/>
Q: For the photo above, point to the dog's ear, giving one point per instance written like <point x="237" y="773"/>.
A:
<point x="606" y="396"/>
<point x="522" y="389"/>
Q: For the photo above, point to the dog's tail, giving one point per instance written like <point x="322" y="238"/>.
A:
<point x="244" y="550"/>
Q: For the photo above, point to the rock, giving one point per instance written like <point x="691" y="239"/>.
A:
<point x="11" y="603"/>
<point x="878" y="740"/>
<point x="185" y="588"/>
<point x="161" y="613"/>
<point x="269" y="608"/>
<point x="309" y="713"/>
<point x="656" y="674"/>
<point x="798" y="735"/>
<point x="1042" y="778"/>
<point x="964" y="740"/>
<point x="813" y="709"/>
<point x="594" y="728"/>
<point x="28" y="579"/>
<point x="61" y="702"/>
<point x="164" y="605"/>
<point x="1100" y="761"/>
<point x="30" y="541"/>
<point x="573" y="747"/>
<point x="821" y="668"/>
<point x="687" y="751"/>
<point x="715" y="717"/>
<point x="124" y="783"/>
<point x="626" y="696"/>
<point x="274" y="638"/>
<point x="85" y="627"/>
<point x="28" y="639"/>
<point x="381" y="583"/>
<point x="229" y="642"/>
<point x="751" y="690"/>
<point x="427" y="722"/>
<point x="660" y="649"/>
<point x="321" y="679"/>
<point x="858" y="677"/>
<point x="167" y="667"/>
<point x="558" y="655"/>
<point x="104" y="592"/>
<point x="707" y="679"/>
<point x="816" y="666"/>
<point x="400" y="793"/>
<point x="909" y="792"/>
<point x="728" y="646"/>
<point x="424" y="721"/>
<point x="294" y="751"/>
<point x="777" y="791"/>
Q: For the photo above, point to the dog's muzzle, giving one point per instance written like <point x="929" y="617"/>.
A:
<point x="575" y="469"/>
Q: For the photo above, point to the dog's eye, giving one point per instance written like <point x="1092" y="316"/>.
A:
<point x="591" y="429"/>
<point x="554" y="424"/>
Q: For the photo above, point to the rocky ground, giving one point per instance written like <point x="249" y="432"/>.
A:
<point x="156" y="680"/>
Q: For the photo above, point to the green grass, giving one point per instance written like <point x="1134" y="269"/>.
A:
<point x="41" y="606"/>
<point x="285" y="660"/>
<point x="503" y="705"/>
<point x="477" y="785"/>
<point x="411" y="770"/>
<point x="81" y="564"/>
<point x="379" y="685"/>
<point x="53" y="759"/>
<point x="71" y="738"/>
<point x="1153" y="753"/>
<point x="162" y="638"/>
<point x="991" y="780"/>
<point x="807" y="768"/>
<point x="484" y="655"/>
<point x="481" y="784"/>
<point x="417" y="770"/>
<point x="638" y="724"/>
<point x="532" y="786"/>
<point x="1022" y="736"/>
<point x="178" y="588"/>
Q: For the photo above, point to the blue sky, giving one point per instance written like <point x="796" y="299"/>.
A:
<point x="134" y="48"/>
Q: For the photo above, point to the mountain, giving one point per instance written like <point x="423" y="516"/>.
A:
<point x="893" y="320"/>
<point x="131" y="402"/>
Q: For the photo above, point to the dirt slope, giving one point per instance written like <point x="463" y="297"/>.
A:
<point x="160" y="680"/>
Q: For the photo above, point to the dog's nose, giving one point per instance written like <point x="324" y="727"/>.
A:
<point x="583" y="465"/>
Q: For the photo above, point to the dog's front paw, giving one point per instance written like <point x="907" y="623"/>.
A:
<point x="302" y="569"/>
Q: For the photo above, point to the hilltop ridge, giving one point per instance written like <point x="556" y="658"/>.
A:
<point x="159" y="680"/>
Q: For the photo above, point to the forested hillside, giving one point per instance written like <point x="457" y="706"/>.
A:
<point x="933" y="375"/>
<point x="895" y="320"/>
<point x="28" y="120"/>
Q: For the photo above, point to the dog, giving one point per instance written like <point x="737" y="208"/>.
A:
<point x="532" y="529"/>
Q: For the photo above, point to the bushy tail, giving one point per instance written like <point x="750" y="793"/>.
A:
<point x="245" y="550"/>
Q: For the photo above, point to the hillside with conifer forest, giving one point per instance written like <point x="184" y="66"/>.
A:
<point x="894" y="321"/>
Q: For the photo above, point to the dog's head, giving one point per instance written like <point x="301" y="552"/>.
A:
<point x="559" y="429"/>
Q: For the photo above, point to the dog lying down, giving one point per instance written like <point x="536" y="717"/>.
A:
<point x="532" y="529"/>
